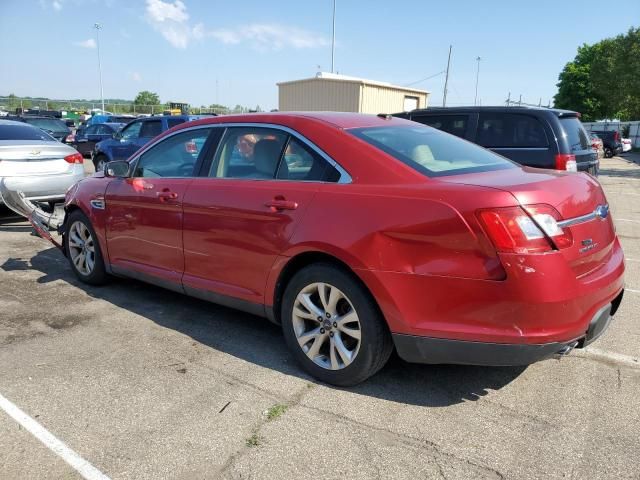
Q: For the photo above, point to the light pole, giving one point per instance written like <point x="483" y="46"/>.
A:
<point x="97" y="26"/>
<point x="333" y="37"/>
<point x="475" y="101"/>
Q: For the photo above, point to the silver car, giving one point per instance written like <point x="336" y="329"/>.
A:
<point x="36" y="164"/>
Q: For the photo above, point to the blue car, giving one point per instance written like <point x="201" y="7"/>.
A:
<point x="134" y="136"/>
<point x="86" y="138"/>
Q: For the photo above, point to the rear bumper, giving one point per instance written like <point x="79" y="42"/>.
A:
<point x="46" y="187"/>
<point x="416" y="349"/>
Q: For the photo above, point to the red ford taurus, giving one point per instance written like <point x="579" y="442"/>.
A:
<point x="358" y="234"/>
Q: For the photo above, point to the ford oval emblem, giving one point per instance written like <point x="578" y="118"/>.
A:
<point x="602" y="211"/>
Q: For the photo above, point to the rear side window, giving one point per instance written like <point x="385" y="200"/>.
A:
<point x="575" y="133"/>
<point x="510" y="130"/>
<point x="48" y="124"/>
<point x="453" y="124"/>
<point x="23" y="132"/>
<point x="151" y="128"/>
<point x="303" y="164"/>
<point x="172" y="122"/>
<point x="431" y="152"/>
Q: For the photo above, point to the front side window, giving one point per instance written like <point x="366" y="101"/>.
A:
<point x="131" y="131"/>
<point x="510" y="130"/>
<point x="175" y="156"/>
<point x="249" y="152"/>
<point x="431" y="152"/>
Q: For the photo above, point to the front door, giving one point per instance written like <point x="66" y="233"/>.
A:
<point x="145" y="213"/>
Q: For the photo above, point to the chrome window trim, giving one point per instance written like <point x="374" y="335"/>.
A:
<point x="344" y="175"/>
<point x="535" y="149"/>
<point x="585" y="218"/>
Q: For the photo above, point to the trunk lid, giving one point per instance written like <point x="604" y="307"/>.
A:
<point x="18" y="159"/>
<point x="573" y="195"/>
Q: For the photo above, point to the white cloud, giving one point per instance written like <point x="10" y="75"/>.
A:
<point x="171" y="19"/>
<point x="136" y="77"/>
<point x="89" y="43"/>
<point x="56" y="5"/>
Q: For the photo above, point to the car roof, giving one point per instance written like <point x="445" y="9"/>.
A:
<point x="15" y="123"/>
<point x="496" y="108"/>
<point x="342" y="120"/>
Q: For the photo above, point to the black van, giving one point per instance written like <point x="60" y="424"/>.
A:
<point x="532" y="136"/>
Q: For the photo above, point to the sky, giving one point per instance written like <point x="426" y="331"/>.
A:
<point x="234" y="52"/>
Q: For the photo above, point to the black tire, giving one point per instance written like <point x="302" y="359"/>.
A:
<point x="98" y="275"/>
<point x="375" y="345"/>
<point x="608" y="153"/>
<point x="98" y="160"/>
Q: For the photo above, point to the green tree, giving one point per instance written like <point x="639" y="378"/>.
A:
<point x="147" y="98"/>
<point x="603" y="80"/>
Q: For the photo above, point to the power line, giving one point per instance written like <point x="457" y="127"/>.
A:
<point x="423" y="79"/>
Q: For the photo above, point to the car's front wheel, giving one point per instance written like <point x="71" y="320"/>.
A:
<point x="83" y="250"/>
<point x="333" y="327"/>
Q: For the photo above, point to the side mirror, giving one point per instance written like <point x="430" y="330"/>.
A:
<point x="119" y="169"/>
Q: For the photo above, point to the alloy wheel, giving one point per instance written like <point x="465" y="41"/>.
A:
<point x="82" y="248"/>
<point x="326" y="326"/>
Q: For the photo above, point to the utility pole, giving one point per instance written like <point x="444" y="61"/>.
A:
<point x="333" y="38"/>
<point x="446" y="80"/>
<point x="97" y="26"/>
<point x="475" y="101"/>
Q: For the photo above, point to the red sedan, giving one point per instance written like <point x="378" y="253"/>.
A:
<point x="358" y="234"/>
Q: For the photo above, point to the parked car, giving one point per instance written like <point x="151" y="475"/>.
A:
<point x="37" y="164"/>
<point x="86" y="138"/>
<point x="611" y="140"/>
<point x="535" y="137"/>
<point x="597" y="145"/>
<point x="134" y="136"/>
<point x="626" y="145"/>
<point x="53" y="126"/>
<point x="358" y="234"/>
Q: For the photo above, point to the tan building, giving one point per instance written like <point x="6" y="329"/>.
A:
<point x="339" y="93"/>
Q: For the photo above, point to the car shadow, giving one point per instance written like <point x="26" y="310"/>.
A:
<point x="258" y="341"/>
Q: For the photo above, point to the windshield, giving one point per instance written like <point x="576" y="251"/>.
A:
<point x="23" y="132"/>
<point x="430" y="151"/>
<point x="47" y="124"/>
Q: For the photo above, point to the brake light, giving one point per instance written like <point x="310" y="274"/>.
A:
<point x="191" y="147"/>
<point x="616" y="136"/>
<point x="74" y="158"/>
<point x="70" y="138"/>
<point x="532" y="229"/>
<point x="566" y="161"/>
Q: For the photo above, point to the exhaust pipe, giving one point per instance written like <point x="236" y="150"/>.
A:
<point x="566" y="350"/>
<point x="43" y="222"/>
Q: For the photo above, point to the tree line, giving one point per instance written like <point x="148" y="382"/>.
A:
<point x="603" y="80"/>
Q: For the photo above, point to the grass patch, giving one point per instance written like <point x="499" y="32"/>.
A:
<point x="276" y="411"/>
<point x="253" y="440"/>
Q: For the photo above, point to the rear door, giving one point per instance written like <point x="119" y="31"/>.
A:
<point x="144" y="211"/>
<point x="521" y="137"/>
<point x="241" y="216"/>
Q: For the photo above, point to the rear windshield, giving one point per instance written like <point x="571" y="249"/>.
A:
<point x="172" y="122"/>
<point x="23" y="132"/>
<point x="47" y="124"/>
<point x="576" y="134"/>
<point x="430" y="151"/>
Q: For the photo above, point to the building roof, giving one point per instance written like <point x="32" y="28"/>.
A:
<point x="345" y="78"/>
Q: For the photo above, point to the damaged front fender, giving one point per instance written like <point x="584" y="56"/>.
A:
<point x="43" y="222"/>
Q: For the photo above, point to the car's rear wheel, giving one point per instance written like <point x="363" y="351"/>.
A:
<point x="99" y="162"/>
<point x="608" y="153"/>
<point x="333" y="326"/>
<point x="83" y="250"/>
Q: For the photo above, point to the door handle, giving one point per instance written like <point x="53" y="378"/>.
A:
<point x="278" y="204"/>
<point x="166" y="195"/>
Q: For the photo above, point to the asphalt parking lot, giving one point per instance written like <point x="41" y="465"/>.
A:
<point x="144" y="383"/>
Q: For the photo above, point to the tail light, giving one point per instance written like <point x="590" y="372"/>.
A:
<point x="191" y="147"/>
<point x="530" y="229"/>
<point x="616" y="136"/>
<point x="74" y="158"/>
<point x="69" y="138"/>
<point x="566" y="161"/>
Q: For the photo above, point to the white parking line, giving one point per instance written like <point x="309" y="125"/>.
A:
<point x="83" y="467"/>
<point x="627" y="220"/>
<point x="611" y="357"/>
<point x="631" y="290"/>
